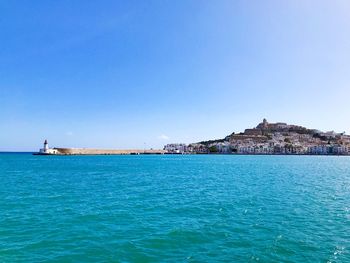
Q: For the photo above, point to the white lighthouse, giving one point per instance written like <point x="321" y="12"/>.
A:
<point x="47" y="150"/>
<point x="46" y="146"/>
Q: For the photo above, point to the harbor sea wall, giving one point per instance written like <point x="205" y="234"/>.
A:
<point x="85" y="151"/>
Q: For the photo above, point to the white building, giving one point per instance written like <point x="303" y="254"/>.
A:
<point x="176" y="148"/>
<point x="319" y="149"/>
<point x="223" y="147"/>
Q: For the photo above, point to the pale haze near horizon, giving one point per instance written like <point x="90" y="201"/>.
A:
<point x="140" y="74"/>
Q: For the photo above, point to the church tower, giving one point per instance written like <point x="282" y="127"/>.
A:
<point x="264" y="125"/>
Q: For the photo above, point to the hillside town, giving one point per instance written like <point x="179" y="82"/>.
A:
<point x="271" y="138"/>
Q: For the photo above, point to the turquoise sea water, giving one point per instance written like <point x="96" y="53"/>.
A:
<point x="199" y="208"/>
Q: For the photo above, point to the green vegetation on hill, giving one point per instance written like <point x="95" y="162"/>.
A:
<point x="206" y="143"/>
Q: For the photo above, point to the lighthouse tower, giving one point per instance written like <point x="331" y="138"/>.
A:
<point x="46" y="146"/>
<point x="46" y="150"/>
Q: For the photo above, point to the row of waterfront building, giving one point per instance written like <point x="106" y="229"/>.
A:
<point x="227" y="148"/>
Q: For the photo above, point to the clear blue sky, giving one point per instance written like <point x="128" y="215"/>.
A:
<point x="134" y="74"/>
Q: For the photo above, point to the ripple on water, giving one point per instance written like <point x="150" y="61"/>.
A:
<point x="174" y="208"/>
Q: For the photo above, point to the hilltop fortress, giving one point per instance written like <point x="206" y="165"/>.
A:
<point x="272" y="138"/>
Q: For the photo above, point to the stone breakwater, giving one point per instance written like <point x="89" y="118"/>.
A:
<point x="84" y="151"/>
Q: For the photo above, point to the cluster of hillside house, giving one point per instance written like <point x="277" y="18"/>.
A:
<point x="272" y="138"/>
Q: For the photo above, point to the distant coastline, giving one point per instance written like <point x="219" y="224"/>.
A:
<point x="271" y="139"/>
<point x="265" y="139"/>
